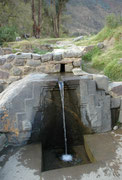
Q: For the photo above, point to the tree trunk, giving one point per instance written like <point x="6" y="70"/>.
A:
<point x="33" y="18"/>
<point x="39" y="18"/>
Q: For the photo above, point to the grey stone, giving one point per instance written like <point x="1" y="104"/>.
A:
<point x="2" y="60"/>
<point x="101" y="81"/>
<point x="10" y="57"/>
<point x="17" y="71"/>
<point x="1" y="88"/>
<point x="47" y="57"/>
<point x="3" y="141"/>
<point x="4" y="75"/>
<point x="68" y="67"/>
<point x="100" y="45"/>
<point x="115" y="102"/>
<point x="7" y="51"/>
<point x="24" y="55"/>
<point x="36" y="56"/>
<point x="33" y="63"/>
<point x="77" y="63"/>
<point x="78" y="38"/>
<point x="72" y="53"/>
<point x="7" y="66"/>
<point x="19" y="62"/>
<point x="1" y="51"/>
<point x="115" y="89"/>
<point x="57" y="56"/>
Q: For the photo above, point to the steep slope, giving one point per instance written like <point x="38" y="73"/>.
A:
<point x="88" y="16"/>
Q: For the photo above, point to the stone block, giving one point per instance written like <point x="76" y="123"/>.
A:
<point x="19" y="62"/>
<point x="101" y="81"/>
<point x="72" y="53"/>
<point x="13" y="79"/>
<point x="4" y="75"/>
<point x="17" y="71"/>
<point x="1" y="52"/>
<point x="3" y="141"/>
<point x="57" y="56"/>
<point x="36" y="56"/>
<point x="115" y="102"/>
<point x="77" y="63"/>
<point x="10" y="57"/>
<point x="7" y="66"/>
<point x="33" y="63"/>
<point x="24" y="56"/>
<point x="47" y="57"/>
<point x="68" y="67"/>
<point x="115" y="89"/>
<point x="2" y="60"/>
<point x="28" y="69"/>
<point x="7" y="51"/>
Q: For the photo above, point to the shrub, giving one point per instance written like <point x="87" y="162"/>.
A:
<point x="89" y="55"/>
<point x="7" y="34"/>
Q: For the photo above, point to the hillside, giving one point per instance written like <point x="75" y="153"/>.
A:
<point x="88" y="16"/>
<point x="109" y="59"/>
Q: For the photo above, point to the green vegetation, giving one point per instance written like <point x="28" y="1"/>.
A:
<point x="7" y="34"/>
<point x="108" y="58"/>
<point x="94" y="52"/>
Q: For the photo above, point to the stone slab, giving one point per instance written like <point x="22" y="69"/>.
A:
<point x="21" y="163"/>
<point x="107" y="150"/>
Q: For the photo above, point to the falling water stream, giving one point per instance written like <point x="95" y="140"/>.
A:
<point x="65" y="157"/>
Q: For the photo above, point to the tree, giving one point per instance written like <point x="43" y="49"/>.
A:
<point x="58" y="7"/>
<point x="37" y="26"/>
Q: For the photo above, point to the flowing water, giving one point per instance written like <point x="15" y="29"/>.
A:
<point x="65" y="157"/>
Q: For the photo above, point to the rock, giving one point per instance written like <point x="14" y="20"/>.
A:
<point x="13" y="79"/>
<point x="115" y="128"/>
<point x="24" y="56"/>
<point x="1" y="51"/>
<point x="18" y="38"/>
<point x="4" y="75"/>
<point x="7" y="51"/>
<point x="57" y="56"/>
<point x="3" y="141"/>
<point x="87" y="49"/>
<point x="2" y="60"/>
<point x="51" y="68"/>
<point x="115" y="89"/>
<point x="33" y="63"/>
<point x="28" y="69"/>
<point x="79" y="72"/>
<point x="100" y="45"/>
<point x="101" y="81"/>
<point x="68" y="67"/>
<point x="77" y="63"/>
<point x="47" y="57"/>
<point x="36" y="56"/>
<point x="19" y="62"/>
<point x="17" y="71"/>
<point x="115" y="102"/>
<point x="7" y="66"/>
<point x="10" y="57"/>
<point x="72" y="53"/>
<point x="78" y="38"/>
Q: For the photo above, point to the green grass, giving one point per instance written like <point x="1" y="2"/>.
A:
<point x="106" y="60"/>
